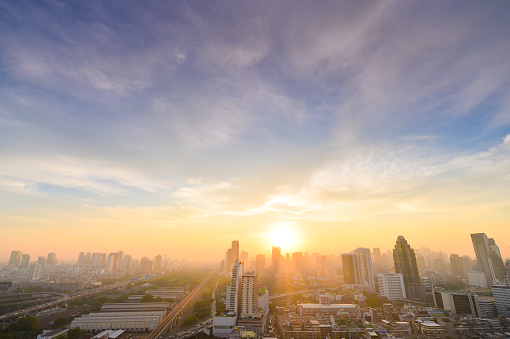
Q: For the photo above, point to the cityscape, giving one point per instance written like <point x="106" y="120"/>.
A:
<point x="366" y="293"/>
<point x="254" y="169"/>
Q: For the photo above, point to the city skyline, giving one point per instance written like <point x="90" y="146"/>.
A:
<point x="177" y="127"/>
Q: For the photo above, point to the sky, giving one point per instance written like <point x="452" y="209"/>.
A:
<point x="174" y="127"/>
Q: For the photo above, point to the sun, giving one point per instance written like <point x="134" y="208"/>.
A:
<point x="284" y="236"/>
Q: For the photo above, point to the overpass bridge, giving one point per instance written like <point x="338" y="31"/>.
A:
<point x="173" y="318"/>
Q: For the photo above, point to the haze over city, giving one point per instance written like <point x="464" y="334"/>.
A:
<point x="175" y="127"/>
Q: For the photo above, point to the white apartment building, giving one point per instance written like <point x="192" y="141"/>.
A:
<point x="501" y="294"/>
<point x="392" y="286"/>
<point x="249" y="295"/>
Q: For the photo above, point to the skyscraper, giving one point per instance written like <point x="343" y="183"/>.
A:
<point x="15" y="259"/>
<point x="488" y="258"/>
<point x="457" y="263"/>
<point x="349" y="267"/>
<point x="25" y="259"/>
<point x="364" y="271"/>
<point x="232" y="302"/>
<point x="249" y="295"/>
<point x="52" y="259"/>
<point x="42" y="261"/>
<point x="113" y="261"/>
<point x="405" y="263"/>
<point x="34" y="271"/>
<point x="232" y="255"/>
<point x="260" y="265"/>
<point x="276" y="260"/>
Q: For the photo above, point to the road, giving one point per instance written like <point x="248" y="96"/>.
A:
<point x="65" y="299"/>
<point x="167" y="322"/>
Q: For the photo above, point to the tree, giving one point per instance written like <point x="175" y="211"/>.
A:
<point x="147" y="298"/>
<point x="26" y="324"/>
<point x="75" y="333"/>
<point x="60" y="322"/>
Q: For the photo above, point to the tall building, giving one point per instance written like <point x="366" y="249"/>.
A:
<point x="297" y="263"/>
<point x="457" y="302"/>
<point x="277" y="260"/>
<point x="52" y="259"/>
<point x="42" y="262"/>
<point x="244" y="257"/>
<point x="158" y="262"/>
<point x="488" y="258"/>
<point x="113" y="262"/>
<point x="377" y="259"/>
<point x="232" y="302"/>
<point x="145" y="265"/>
<point x="501" y="294"/>
<point x="349" y="268"/>
<point x="405" y="263"/>
<point x="25" y="259"/>
<point x="232" y="255"/>
<point x="260" y="265"/>
<point x="392" y="286"/>
<point x="457" y="263"/>
<point x="15" y="259"/>
<point x="364" y="270"/>
<point x="34" y="271"/>
<point x="249" y="296"/>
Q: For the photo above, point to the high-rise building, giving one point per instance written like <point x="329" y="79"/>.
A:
<point x="457" y="302"/>
<point x="158" y="262"/>
<point x="52" y="259"/>
<point x="232" y="255"/>
<point x="232" y="302"/>
<point x="244" y="257"/>
<point x="349" y="268"/>
<point x="364" y="270"/>
<point x="113" y="261"/>
<point x="457" y="263"/>
<point x="377" y="259"/>
<point x="277" y="260"/>
<point x="81" y="258"/>
<point x="15" y="259"/>
<point x="145" y="265"/>
<point x="488" y="258"/>
<point x="260" y="265"/>
<point x="392" y="286"/>
<point x="297" y="262"/>
<point x="96" y="259"/>
<point x="42" y="262"/>
<point x="405" y="263"/>
<point x="501" y="294"/>
<point x="34" y="271"/>
<point x="25" y="259"/>
<point x="249" y="295"/>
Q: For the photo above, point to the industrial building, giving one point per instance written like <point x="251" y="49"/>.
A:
<point x="128" y="321"/>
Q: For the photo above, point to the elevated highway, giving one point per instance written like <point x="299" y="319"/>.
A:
<point x="172" y="319"/>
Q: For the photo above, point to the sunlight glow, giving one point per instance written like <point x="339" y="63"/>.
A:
<point x="284" y="236"/>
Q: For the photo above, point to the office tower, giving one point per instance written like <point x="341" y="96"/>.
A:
<point x="145" y="265"/>
<point x="297" y="262"/>
<point x="158" y="262"/>
<point x="349" y="268"/>
<point x="377" y="259"/>
<point x="103" y="259"/>
<point x="457" y="266"/>
<point x="96" y="259"/>
<point x="364" y="271"/>
<point x="405" y="263"/>
<point x="113" y="261"/>
<point x="42" y="262"/>
<point x="25" y="259"/>
<point x="260" y="265"/>
<point x="249" y="295"/>
<point x="81" y="258"/>
<point x="392" y="286"/>
<point x="488" y="258"/>
<point x="439" y="265"/>
<point x="232" y="299"/>
<point x="34" y="271"/>
<point x="121" y="255"/>
<point x="457" y="302"/>
<point x="276" y="260"/>
<point x="232" y="255"/>
<point x="244" y="257"/>
<point x="15" y="259"/>
<point x="52" y="259"/>
<point x="288" y="263"/>
<point x="501" y="294"/>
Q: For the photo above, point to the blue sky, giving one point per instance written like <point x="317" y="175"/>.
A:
<point x="232" y="117"/>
